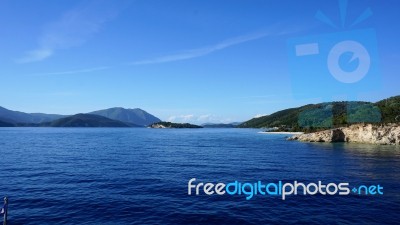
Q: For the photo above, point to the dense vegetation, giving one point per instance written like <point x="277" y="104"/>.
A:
<point x="390" y="109"/>
<point x="330" y="114"/>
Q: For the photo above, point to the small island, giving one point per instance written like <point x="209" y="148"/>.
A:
<point x="173" y="125"/>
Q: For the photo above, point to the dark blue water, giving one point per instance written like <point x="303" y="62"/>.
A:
<point x="139" y="176"/>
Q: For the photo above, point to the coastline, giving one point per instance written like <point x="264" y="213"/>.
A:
<point x="279" y="132"/>
<point x="381" y="134"/>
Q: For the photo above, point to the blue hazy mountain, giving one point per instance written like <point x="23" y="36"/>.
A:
<point x="85" y="120"/>
<point x="132" y="116"/>
<point x="6" y="124"/>
<point x="13" y="117"/>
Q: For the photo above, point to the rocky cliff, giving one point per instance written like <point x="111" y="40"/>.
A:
<point x="388" y="134"/>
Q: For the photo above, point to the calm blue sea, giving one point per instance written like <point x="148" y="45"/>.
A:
<point x="140" y="176"/>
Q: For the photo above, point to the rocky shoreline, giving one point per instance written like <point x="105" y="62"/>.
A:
<point x="388" y="134"/>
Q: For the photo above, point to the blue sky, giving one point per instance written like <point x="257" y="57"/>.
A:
<point x="183" y="61"/>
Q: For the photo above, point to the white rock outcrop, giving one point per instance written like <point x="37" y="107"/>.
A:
<point x="388" y="134"/>
<point x="158" y="126"/>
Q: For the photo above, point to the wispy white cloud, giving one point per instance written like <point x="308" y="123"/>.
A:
<point x="74" y="28"/>
<point x="35" y="55"/>
<point x="87" y="70"/>
<point x="198" y="119"/>
<point x="180" y="118"/>
<point x="64" y="93"/>
<point x="260" y="115"/>
<point x="197" y="52"/>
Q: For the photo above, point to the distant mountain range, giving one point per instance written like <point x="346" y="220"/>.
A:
<point x="130" y="116"/>
<point x="114" y="117"/>
<point x="322" y="115"/>
<point x="331" y="114"/>
<point x="14" y="117"/>
<point x="85" y="120"/>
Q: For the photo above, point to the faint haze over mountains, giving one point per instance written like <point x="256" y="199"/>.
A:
<point x="184" y="61"/>
<point x="132" y="117"/>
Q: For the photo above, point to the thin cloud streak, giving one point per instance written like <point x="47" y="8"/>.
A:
<point x="74" y="28"/>
<point x="35" y="55"/>
<point x="198" y="52"/>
